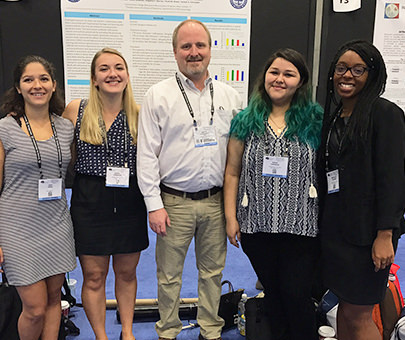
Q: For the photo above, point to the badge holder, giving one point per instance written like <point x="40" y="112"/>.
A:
<point x="49" y="189"/>
<point x="117" y="177"/>
<point x="204" y="136"/>
<point x="275" y="166"/>
<point x="333" y="181"/>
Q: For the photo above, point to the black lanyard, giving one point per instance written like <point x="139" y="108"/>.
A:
<point x="190" y="109"/>
<point x="35" y="144"/>
<point x="339" y="112"/>
<point x="105" y="139"/>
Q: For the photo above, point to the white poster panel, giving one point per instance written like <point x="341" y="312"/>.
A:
<point x="389" y="38"/>
<point x="142" y="31"/>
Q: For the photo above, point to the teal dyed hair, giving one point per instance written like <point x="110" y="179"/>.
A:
<point x="303" y="118"/>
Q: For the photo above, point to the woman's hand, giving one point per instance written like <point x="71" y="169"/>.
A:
<point x="233" y="232"/>
<point x="383" y="250"/>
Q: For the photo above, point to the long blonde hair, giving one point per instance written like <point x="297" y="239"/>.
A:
<point x="90" y="131"/>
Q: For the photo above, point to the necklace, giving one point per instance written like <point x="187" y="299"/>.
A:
<point x="279" y="128"/>
<point x="344" y="113"/>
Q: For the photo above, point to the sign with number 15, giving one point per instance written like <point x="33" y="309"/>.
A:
<point x="346" y="5"/>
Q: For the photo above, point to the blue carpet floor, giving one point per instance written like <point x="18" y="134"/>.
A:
<point x="237" y="270"/>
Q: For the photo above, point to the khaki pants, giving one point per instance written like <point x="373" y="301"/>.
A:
<point x="203" y="220"/>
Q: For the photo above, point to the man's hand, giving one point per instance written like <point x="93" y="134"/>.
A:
<point x="158" y="220"/>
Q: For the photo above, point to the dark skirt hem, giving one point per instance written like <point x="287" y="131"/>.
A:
<point x="108" y="221"/>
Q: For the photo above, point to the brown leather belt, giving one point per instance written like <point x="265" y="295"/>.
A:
<point x="199" y="195"/>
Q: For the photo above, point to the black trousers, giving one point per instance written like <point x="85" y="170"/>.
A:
<point x="285" y="265"/>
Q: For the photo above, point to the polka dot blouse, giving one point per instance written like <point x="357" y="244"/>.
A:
<point x="93" y="159"/>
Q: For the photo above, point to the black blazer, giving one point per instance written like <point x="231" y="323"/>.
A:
<point x="371" y="177"/>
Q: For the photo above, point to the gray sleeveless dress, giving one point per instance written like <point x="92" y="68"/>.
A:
<point x="36" y="236"/>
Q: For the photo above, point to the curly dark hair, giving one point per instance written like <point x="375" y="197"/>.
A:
<point x="12" y="101"/>
<point x="373" y="88"/>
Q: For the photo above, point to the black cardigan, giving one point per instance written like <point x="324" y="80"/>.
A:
<point x="371" y="177"/>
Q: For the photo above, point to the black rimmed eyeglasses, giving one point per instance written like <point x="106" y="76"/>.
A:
<point x="356" y="70"/>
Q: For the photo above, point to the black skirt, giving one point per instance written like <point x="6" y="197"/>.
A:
<point x="348" y="269"/>
<point x="108" y="220"/>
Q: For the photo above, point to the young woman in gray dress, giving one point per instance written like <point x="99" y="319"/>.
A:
<point x="36" y="234"/>
<point x="108" y="210"/>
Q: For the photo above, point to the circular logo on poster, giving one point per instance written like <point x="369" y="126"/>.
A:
<point x="238" y="4"/>
<point x="391" y="10"/>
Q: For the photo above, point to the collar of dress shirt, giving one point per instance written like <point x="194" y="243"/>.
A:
<point x="189" y="82"/>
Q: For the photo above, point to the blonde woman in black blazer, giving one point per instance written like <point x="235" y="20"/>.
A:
<point x="362" y="186"/>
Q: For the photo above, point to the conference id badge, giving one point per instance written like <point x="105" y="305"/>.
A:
<point x="275" y="166"/>
<point x="49" y="189"/>
<point x="333" y="181"/>
<point x="117" y="177"/>
<point x="205" y="136"/>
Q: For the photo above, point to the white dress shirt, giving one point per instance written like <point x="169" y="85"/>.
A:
<point x="166" y="148"/>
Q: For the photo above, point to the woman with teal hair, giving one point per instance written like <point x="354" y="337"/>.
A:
<point x="271" y="203"/>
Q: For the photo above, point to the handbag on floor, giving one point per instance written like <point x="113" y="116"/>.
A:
<point x="394" y="278"/>
<point x="399" y="330"/>
<point x="257" y="323"/>
<point x="228" y="305"/>
<point x="67" y="294"/>
<point x="327" y="309"/>
<point x="10" y="310"/>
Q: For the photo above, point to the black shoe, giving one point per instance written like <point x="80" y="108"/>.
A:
<point x="200" y="337"/>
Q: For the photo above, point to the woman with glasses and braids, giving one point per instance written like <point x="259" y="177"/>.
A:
<point x="362" y="186"/>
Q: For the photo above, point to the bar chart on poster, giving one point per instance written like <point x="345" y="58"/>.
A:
<point x="142" y="31"/>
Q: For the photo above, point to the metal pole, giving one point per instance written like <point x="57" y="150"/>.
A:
<point x="317" y="47"/>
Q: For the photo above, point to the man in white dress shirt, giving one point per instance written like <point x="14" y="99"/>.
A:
<point x="183" y="133"/>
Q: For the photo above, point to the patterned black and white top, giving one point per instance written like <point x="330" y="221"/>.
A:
<point x="36" y="236"/>
<point x="273" y="204"/>
<point x="92" y="159"/>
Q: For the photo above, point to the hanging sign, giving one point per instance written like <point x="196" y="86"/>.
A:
<point x="346" y="5"/>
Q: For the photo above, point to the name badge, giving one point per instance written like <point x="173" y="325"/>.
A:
<point x="49" y="189"/>
<point x="275" y="166"/>
<point x="205" y="136"/>
<point x="117" y="177"/>
<point x="333" y="181"/>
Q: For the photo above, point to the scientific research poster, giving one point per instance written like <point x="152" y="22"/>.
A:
<point x="389" y="38"/>
<point x="142" y="31"/>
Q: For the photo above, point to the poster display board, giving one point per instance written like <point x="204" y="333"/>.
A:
<point x="142" y="31"/>
<point x="389" y="38"/>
